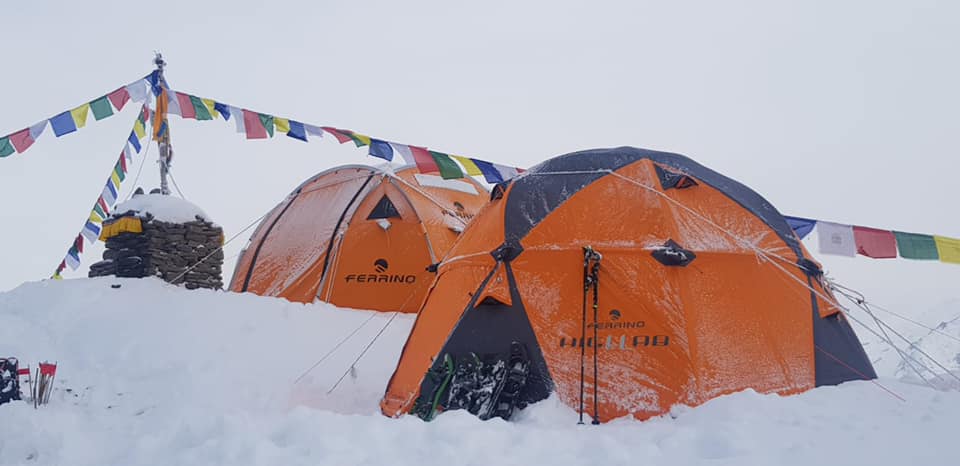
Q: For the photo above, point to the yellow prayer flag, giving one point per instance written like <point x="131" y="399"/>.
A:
<point x="95" y="218"/>
<point x="115" y="178"/>
<point x="282" y="124"/>
<point x="468" y="165"/>
<point x="211" y="106"/>
<point x="364" y="139"/>
<point x="948" y="248"/>
<point x="79" y="115"/>
<point x="57" y="276"/>
<point x="139" y="129"/>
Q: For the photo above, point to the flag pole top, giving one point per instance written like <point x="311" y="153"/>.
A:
<point x="158" y="60"/>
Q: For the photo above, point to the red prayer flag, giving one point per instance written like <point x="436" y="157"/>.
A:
<point x="186" y="106"/>
<point x="79" y="243"/>
<point x="119" y="98"/>
<point x="123" y="162"/>
<point x="878" y="244"/>
<point x="23" y="371"/>
<point x="340" y="134"/>
<point x="21" y="140"/>
<point x="103" y="205"/>
<point x="424" y="160"/>
<point x="48" y="369"/>
<point x="253" y="125"/>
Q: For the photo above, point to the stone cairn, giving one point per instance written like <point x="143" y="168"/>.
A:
<point x="165" y="250"/>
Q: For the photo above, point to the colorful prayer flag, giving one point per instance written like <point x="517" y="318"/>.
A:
<point x="223" y="110"/>
<point x="341" y="135"/>
<point x="297" y="131"/>
<point x="267" y="121"/>
<point x="948" y="248"/>
<point x="73" y="258"/>
<point x="200" y="110"/>
<point x="468" y="165"/>
<point x="424" y="161"/>
<point x="801" y="226"/>
<point x="447" y="167"/>
<point x="211" y="106"/>
<point x="253" y="126"/>
<point x="187" y="109"/>
<point x="94" y="217"/>
<point x="109" y="193"/>
<point x="404" y="151"/>
<point x="63" y="124"/>
<point x="490" y="174"/>
<point x="38" y="129"/>
<point x="79" y="115"/>
<point x="160" y="116"/>
<point x="21" y="140"/>
<point x="835" y="238"/>
<point x="134" y="141"/>
<point x="878" y="244"/>
<point x="101" y="108"/>
<point x="137" y="91"/>
<point x="239" y="118"/>
<point x="916" y="246"/>
<point x="506" y="172"/>
<point x="121" y="174"/>
<point x="5" y="147"/>
<point x="359" y="139"/>
<point x="313" y="130"/>
<point x="139" y="129"/>
<point x="282" y="124"/>
<point x="91" y="231"/>
<point x="119" y="98"/>
<point x="381" y="149"/>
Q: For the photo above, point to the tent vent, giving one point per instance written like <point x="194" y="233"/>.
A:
<point x="384" y="209"/>
<point x="498" y="190"/>
<point x="671" y="254"/>
<point x="669" y="179"/>
<point x="490" y="301"/>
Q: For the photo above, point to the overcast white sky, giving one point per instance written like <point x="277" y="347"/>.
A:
<point x="843" y="111"/>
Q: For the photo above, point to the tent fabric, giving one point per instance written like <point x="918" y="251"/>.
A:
<point x="356" y="237"/>
<point x="665" y="335"/>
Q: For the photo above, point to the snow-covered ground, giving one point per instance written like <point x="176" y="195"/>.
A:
<point x="158" y="375"/>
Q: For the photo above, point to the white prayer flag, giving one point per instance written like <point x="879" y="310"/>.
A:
<point x="836" y="239"/>
<point x="138" y="90"/>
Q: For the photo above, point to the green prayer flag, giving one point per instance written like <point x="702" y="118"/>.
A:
<point x="448" y="168"/>
<point x="99" y="211"/>
<point x="203" y="113"/>
<point x="916" y="246"/>
<point x="101" y="108"/>
<point x="267" y="121"/>
<point x="119" y="171"/>
<point x="5" y="147"/>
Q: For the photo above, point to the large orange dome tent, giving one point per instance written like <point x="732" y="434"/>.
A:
<point x="359" y="237"/>
<point x="701" y="289"/>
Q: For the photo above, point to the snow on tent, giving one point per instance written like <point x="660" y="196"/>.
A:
<point x="359" y="237"/>
<point x="701" y="289"/>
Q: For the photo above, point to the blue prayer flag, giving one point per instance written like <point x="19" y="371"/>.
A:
<point x="381" y="149"/>
<point x="802" y="226"/>
<point x="135" y="141"/>
<point x="63" y="124"/>
<point x="223" y="109"/>
<point x="297" y="131"/>
<point x="490" y="173"/>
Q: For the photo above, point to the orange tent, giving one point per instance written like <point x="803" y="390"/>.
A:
<point x="626" y="281"/>
<point x="359" y="237"/>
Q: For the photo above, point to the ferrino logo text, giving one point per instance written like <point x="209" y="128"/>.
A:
<point x="380" y="266"/>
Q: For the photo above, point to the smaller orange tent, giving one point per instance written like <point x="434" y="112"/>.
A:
<point x="359" y="237"/>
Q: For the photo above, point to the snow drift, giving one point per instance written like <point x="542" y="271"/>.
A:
<point x="151" y="374"/>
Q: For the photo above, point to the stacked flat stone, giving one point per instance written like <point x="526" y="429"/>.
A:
<point x="166" y="250"/>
